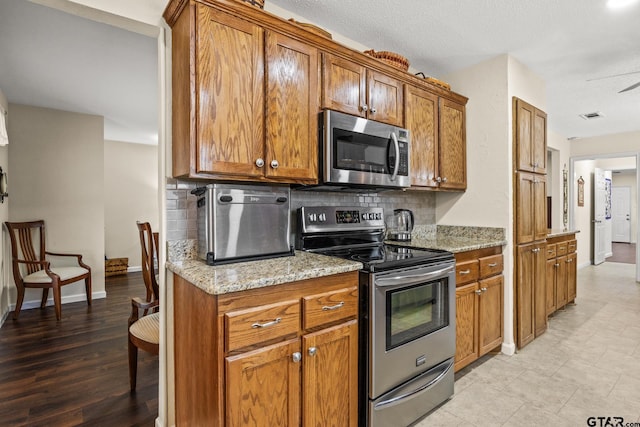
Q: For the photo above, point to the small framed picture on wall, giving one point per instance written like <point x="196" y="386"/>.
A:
<point x="580" y="191"/>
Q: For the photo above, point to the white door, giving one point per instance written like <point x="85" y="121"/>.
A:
<point x="599" y="225"/>
<point x="621" y="214"/>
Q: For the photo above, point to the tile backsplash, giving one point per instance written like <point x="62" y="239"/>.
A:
<point x="181" y="205"/>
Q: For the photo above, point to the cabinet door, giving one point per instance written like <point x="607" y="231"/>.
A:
<point x="292" y="110"/>
<point x="525" y="277"/>
<point x="540" y="288"/>
<point x="452" y="160"/>
<point x="229" y="95"/>
<point x="263" y="387"/>
<point x="421" y="119"/>
<point x="385" y="98"/>
<point x="490" y="317"/>
<point x="531" y="137"/>
<point x="561" y="282"/>
<point x="540" y="207"/>
<point x="466" y="324"/>
<point x="525" y="199"/>
<point x="552" y="266"/>
<point x="330" y="379"/>
<point x="343" y="85"/>
<point x="539" y="149"/>
<point x="572" y="269"/>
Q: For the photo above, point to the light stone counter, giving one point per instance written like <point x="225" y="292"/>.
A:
<point x="241" y="276"/>
<point x="455" y="238"/>
<point x="560" y="233"/>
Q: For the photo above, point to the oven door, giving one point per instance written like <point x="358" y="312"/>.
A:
<point x="364" y="152"/>
<point x="412" y="323"/>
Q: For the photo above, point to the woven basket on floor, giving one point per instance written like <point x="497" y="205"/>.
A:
<point x="115" y="266"/>
<point x="390" y="58"/>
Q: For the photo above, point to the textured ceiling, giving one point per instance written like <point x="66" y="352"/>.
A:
<point x="52" y="59"/>
<point x="568" y="43"/>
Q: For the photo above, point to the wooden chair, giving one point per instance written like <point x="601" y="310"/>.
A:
<point x="144" y="332"/>
<point x="32" y="270"/>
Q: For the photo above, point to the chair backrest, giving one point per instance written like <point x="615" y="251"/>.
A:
<point x="22" y="245"/>
<point x="148" y="245"/>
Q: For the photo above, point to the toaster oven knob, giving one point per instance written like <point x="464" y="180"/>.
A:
<point x="259" y="163"/>
<point x="275" y="164"/>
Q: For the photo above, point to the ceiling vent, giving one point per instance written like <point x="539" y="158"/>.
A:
<point x="591" y="116"/>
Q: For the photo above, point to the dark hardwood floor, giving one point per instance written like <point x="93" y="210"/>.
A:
<point x="75" y="372"/>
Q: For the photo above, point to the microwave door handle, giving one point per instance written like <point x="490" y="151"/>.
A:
<point x="396" y="146"/>
<point x="412" y="279"/>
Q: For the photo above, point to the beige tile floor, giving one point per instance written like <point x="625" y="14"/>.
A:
<point x="587" y="364"/>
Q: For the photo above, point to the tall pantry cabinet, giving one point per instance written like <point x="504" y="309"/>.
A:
<point x="530" y="187"/>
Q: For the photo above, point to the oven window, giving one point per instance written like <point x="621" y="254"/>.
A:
<point x="360" y="152"/>
<point x="416" y="311"/>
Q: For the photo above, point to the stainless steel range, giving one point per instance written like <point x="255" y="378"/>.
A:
<point x="407" y="313"/>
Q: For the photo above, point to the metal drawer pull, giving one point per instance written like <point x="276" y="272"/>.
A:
<point x="536" y="250"/>
<point x="478" y="291"/>
<point x="333" y="307"/>
<point x="556" y="265"/>
<point x="493" y="264"/>
<point x="569" y="260"/>
<point x="483" y="289"/>
<point x="296" y="357"/>
<point x="465" y="271"/>
<point x="312" y="351"/>
<point x="266" y="325"/>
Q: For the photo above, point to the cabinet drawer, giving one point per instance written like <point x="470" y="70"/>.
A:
<point x="329" y="307"/>
<point x="491" y="265"/>
<point x="561" y="249"/>
<point x="572" y="245"/>
<point x="260" y="324"/>
<point x="551" y="251"/>
<point x="467" y="272"/>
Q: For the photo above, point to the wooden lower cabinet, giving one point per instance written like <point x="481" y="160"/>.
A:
<point x="268" y="357"/>
<point x="479" y="304"/>
<point x="531" y="297"/>
<point x="561" y="272"/>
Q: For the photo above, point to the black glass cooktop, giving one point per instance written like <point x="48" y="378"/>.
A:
<point x="384" y="257"/>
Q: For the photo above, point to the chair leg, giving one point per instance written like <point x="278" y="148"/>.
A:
<point x="19" y="300"/>
<point x="87" y="287"/>
<point x="45" y="296"/>
<point x="57" y="297"/>
<point x="133" y="365"/>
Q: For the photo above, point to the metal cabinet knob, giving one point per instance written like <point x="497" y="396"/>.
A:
<point x="438" y="179"/>
<point x="536" y="250"/>
<point x="444" y="179"/>
<point x="259" y="163"/>
<point x="275" y="164"/>
<point x="478" y="291"/>
<point x="312" y="351"/>
<point x="296" y="357"/>
<point x="364" y="108"/>
<point x="373" y="110"/>
<point x="483" y="289"/>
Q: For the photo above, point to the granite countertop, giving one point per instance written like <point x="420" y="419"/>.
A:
<point x="241" y="276"/>
<point x="559" y="233"/>
<point x="455" y="238"/>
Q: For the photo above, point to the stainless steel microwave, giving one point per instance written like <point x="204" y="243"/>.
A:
<point x="363" y="153"/>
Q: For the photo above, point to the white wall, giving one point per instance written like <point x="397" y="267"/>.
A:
<point x="57" y="174"/>
<point x="560" y="154"/>
<point x="5" y="254"/>
<point x="131" y="194"/>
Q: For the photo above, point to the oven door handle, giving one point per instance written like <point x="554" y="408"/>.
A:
<point x="396" y="146"/>
<point x="425" y="381"/>
<point x="404" y="280"/>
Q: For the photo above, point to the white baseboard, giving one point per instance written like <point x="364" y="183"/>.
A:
<point x="27" y="305"/>
<point x="4" y="317"/>
<point x="158" y="422"/>
<point x="134" y="269"/>
<point x="508" y="349"/>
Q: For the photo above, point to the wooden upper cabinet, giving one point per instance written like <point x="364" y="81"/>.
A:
<point x="229" y="94"/>
<point x="531" y="212"/>
<point x="421" y="119"/>
<point x="344" y="85"/>
<point x="531" y="137"/>
<point x="246" y="106"/>
<point x="453" y="146"/>
<point x="292" y="109"/>
<point x="353" y="89"/>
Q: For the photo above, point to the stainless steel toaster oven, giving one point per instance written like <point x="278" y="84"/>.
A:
<point x="243" y="222"/>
